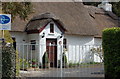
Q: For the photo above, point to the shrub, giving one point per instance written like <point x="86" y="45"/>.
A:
<point x="8" y="63"/>
<point x="24" y="64"/>
<point x="17" y="64"/>
<point x="111" y="48"/>
<point x="34" y="63"/>
<point x="64" y="60"/>
<point x="45" y="60"/>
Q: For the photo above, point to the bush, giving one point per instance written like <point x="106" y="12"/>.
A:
<point x="34" y="63"/>
<point x="64" y="60"/>
<point x="111" y="48"/>
<point x="45" y="60"/>
<point x="8" y="63"/>
<point x="24" y="64"/>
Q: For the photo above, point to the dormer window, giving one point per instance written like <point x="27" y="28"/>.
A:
<point x="51" y="28"/>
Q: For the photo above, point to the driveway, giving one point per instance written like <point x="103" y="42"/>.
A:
<point x="92" y="71"/>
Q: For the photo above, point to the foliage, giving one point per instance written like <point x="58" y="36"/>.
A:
<point x="98" y="51"/>
<point x="8" y="63"/>
<point x="83" y="64"/>
<point x="73" y="64"/>
<point x="17" y="64"/>
<point x="24" y="64"/>
<point x="115" y="8"/>
<point x="45" y="60"/>
<point x="21" y="9"/>
<point x="111" y="48"/>
<point x="64" y="59"/>
<point x="7" y="36"/>
<point x="33" y="63"/>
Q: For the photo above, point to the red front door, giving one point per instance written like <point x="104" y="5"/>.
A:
<point x="51" y="47"/>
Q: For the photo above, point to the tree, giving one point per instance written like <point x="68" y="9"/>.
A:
<point x="115" y="8"/>
<point x="21" y="9"/>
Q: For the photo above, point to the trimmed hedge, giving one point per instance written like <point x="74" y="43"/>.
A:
<point x="111" y="48"/>
<point x="8" y="63"/>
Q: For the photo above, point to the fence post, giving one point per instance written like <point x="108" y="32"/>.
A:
<point x="61" y="61"/>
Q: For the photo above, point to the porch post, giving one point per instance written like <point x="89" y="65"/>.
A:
<point x="39" y="53"/>
<point x="61" y="61"/>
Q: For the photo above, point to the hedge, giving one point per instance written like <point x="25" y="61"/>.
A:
<point x="8" y="63"/>
<point x="111" y="48"/>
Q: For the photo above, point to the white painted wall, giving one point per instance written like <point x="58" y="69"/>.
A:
<point x="33" y="54"/>
<point x="21" y="39"/>
<point x="55" y="35"/>
<point x="79" y="48"/>
<point x="20" y="36"/>
<point x="97" y="41"/>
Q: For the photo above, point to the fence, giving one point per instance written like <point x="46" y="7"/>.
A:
<point x="60" y="61"/>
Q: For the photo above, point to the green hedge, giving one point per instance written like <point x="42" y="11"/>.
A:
<point x="8" y="63"/>
<point x="111" y="48"/>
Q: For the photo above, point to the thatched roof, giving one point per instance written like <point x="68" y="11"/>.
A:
<point x="75" y="18"/>
<point x="37" y="22"/>
<point x="103" y="19"/>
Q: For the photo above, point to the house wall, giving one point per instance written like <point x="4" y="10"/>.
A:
<point x="97" y="42"/>
<point x="21" y="40"/>
<point x="78" y="48"/>
<point x="42" y="42"/>
<point x="20" y="36"/>
<point x="33" y="54"/>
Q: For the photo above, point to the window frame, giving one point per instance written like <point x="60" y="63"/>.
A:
<point x="51" y="27"/>
<point x="33" y="43"/>
<point x="65" y="43"/>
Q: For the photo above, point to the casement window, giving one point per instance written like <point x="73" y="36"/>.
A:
<point x="33" y="42"/>
<point x="65" y="43"/>
<point x="51" y="28"/>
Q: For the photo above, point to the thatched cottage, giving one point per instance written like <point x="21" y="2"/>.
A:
<point x="67" y="24"/>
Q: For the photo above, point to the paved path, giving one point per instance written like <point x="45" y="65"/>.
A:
<point x="97" y="71"/>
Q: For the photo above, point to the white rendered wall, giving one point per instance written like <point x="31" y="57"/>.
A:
<point x="33" y="54"/>
<point x="78" y="48"/>
<point x="20" y="36"/>
<point x="97" y="42"/>
<point x="21" y="40"/>
<point x="55" y="35"/>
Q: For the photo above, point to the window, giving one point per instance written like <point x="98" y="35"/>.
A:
<point x="65" y="43"/>
<point x="51" y="28"/>
<point x="33" y="42"/>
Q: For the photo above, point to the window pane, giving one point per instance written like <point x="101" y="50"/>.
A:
<point x="33" y="42"/>
<point x="64" y="43"/>
<point x="51" y="28"/>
